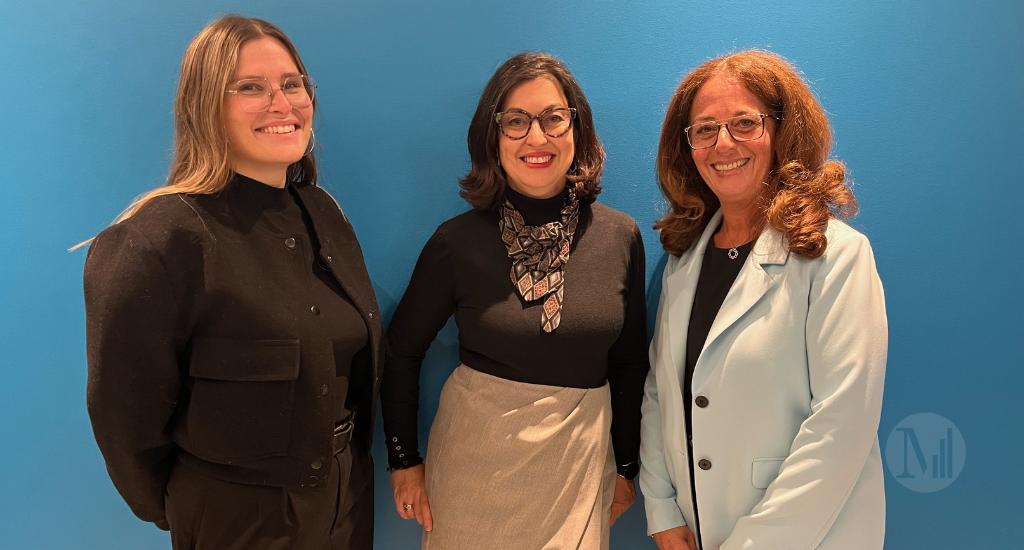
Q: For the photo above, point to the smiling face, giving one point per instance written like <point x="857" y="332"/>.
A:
<point x="263" y="145"/>
<point x="734" y="170"/>
<point x="536" y="165"/>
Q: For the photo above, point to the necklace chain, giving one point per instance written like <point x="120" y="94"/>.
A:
<point x="733" y="253"/>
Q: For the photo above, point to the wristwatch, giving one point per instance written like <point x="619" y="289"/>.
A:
<point x="628" y="471"/>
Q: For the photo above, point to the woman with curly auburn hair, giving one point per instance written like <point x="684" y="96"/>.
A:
<point x="761" y="409"/>
<point x="547" y="289"/>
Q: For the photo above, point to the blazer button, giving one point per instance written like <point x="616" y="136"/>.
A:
<point x="324" y="389"/>
<point x="316" y="465"/>
<point x="289" y="242"/>
<point x="701" y="401"/>
<point x="704" y="464"/>
<point x="314" y="310"/>
<point x="329" y="259"/>
<point x="313" y="480"/>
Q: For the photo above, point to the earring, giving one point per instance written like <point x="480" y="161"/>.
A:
<point x="312" y="142"/>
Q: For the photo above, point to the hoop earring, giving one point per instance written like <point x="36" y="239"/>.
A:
<point x="312" y="142"/>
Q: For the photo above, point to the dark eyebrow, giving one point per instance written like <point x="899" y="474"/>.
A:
<point x="708" y="118"/>
<point x="552" y="106"/>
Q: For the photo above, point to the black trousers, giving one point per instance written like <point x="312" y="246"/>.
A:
<point x="209" y="514"/>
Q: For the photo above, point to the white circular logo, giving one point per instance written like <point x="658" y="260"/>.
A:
<point x="925" y="452"/>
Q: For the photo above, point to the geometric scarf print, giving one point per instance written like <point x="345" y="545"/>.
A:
<point x="539" y="255"/>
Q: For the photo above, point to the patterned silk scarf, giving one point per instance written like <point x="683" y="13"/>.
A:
<point x="539" y="255"/>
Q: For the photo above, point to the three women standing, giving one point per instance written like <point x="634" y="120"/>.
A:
<point x="547" y="289"/>
<point x="234" y="340"/>
<point x="761" y="411"/>
<point x="235" y="343"/>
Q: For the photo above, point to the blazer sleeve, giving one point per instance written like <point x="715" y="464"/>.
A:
<point x="133" y="338"/>
<point x="656" y="483"/>
<point x="847" y="337"/>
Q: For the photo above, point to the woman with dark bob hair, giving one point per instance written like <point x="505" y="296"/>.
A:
<point x="761" y="409"/>
<point x="547" y="289"/>
<point x="233" y="336"/>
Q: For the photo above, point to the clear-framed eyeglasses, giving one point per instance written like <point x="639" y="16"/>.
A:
<point x="705" y="134"/>
<point x="554" y="122"/>
<point x="256" y="95"/>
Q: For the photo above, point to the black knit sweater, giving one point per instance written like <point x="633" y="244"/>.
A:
<point x="464" y="270"/>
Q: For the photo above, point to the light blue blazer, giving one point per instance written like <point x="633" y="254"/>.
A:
<point x="792" y="369"/>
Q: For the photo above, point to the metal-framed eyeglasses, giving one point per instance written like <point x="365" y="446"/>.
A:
<point x="554" y="122"/>
<point x="705" y="134"/>
<point x="256" y="95"/>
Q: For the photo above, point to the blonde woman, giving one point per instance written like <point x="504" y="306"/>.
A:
<point x="234" y="340"/>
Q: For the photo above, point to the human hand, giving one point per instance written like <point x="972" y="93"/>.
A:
<point x="625" y="496"/>
<point x="677" y="538"/>
<point x="409" y="487"/>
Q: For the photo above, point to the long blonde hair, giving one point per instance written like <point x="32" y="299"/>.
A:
<point x="201" y="162"/>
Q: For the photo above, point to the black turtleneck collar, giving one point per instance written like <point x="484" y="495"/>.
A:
<point x="538" y="211"/>
<point x="264" y="197"/>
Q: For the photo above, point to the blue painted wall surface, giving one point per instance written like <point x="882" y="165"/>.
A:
<point x="925" y="98"/>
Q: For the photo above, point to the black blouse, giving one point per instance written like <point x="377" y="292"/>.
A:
<point x="464" y="270"/>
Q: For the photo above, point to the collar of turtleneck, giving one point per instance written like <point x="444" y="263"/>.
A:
<point x="538" y="211"/>
<point x="262" y="196"/>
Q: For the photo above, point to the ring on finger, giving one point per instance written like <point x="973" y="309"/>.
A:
<point x="407" y="506"/>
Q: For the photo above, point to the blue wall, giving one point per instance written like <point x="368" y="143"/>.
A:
<point x="925" y="97"/>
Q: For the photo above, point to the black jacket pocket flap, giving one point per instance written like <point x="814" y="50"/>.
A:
<point x="245" y="360"/>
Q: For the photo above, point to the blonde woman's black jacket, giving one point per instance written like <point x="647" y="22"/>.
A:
<point x="202" y="349"/>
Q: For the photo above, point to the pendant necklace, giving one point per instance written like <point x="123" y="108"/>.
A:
<point x="733" y="253"/>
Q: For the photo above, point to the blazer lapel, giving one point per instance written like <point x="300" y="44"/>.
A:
<point x="679" y="287"/>
<point x="751" y="284"/>
<point x="347" y="273"/>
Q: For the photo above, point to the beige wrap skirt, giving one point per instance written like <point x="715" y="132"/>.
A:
<point x="512" y="465"/>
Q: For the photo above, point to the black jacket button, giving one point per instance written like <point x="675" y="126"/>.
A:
<point x="289" y="242"/>
<point x="704" y="464"/>
<point x="324" y="389"/>
<point x="314" y="310"/>
<point x="313" y="481"/>
<point x="701" y="401"/>
<point x="316" y="465"/>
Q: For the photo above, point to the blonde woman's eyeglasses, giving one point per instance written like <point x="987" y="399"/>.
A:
<point x="256" y="95"/>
